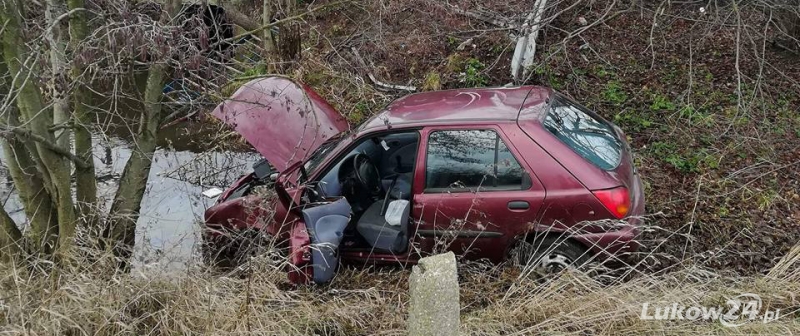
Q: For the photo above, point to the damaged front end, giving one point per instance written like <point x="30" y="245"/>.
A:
<point x="289" y="125"/>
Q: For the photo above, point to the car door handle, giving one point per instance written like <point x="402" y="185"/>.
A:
<point x="518" y="205"/>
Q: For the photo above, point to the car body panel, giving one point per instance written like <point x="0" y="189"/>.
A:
<point x="299" y="268"/>
<point x="282" y="120"/>
<point x="601" y="240"/>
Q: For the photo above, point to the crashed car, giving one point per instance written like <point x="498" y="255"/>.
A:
<point x="478" y="172"/>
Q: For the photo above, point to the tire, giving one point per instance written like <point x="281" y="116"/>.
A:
<point x="550" y="254"/>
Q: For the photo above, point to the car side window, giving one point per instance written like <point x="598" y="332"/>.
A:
<point x="471" y="159"/>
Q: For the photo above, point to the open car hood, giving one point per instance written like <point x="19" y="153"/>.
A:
<point x="283" y="120"/>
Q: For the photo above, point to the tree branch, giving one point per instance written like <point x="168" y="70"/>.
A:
<point x="26" y="134"/>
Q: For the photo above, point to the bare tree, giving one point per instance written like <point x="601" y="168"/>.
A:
<point x="36" y="129"/>
<point x="54" y="67"/>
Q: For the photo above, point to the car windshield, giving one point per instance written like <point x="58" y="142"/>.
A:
<point x="318" y="155"/>
<point x="590" y="137"/>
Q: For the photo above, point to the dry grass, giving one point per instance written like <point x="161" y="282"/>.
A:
<point x="92" y="299"/>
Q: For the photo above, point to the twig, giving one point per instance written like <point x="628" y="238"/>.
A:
<point x="61" y="17"/>
<point x="785" y="48"/>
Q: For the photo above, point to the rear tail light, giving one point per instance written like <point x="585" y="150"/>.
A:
<point x="616" y="200"/>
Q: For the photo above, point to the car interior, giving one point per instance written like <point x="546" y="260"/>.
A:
<point x="375" y="179"/>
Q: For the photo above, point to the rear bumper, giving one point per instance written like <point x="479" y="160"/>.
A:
<point x="625" y="239"/>
<point x="612" y="244"/>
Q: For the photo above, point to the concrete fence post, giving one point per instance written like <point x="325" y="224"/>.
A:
<point x="434" y="305"/>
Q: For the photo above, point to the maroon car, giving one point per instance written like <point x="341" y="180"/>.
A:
<point x="473" y="171"/>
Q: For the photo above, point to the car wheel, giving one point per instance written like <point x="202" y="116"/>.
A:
<point x="549" y="254"/>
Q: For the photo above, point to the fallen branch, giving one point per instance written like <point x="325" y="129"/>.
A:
<point x="785" y="48"/>
<point x="375" y="80"/>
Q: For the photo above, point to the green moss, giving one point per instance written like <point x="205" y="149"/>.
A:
<point x="547" y="75"/>
<point x="452" y="41"/>
<point x="601" y="72"/>
<point x="360" y="110"/>
<point x="685" y="159"/>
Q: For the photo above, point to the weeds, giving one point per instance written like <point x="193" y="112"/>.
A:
<point x="633" y="120"/>
<point x="661" y="102"/>
<point x="614" y="93"/>
<point x="473" y="75"/>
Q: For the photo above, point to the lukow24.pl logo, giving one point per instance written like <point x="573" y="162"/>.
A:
<point x="744" y="308"/>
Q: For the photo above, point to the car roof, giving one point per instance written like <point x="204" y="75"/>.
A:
<point x="458" y="105"/>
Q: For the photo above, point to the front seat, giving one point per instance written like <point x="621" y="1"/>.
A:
<point x="401" y="188"/>
<point x="379" y="233"/>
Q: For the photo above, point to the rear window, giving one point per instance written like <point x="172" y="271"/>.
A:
<point x="590" y="137"/>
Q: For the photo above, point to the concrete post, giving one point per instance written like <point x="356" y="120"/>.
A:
<point x="434" y="308"/>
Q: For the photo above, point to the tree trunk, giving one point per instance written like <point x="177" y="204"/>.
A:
<point x="524" y="52"/>
<point x="86" y="183"/>
<point x="10" y="238"/>
<point x="240" y="19"/>
<point x="124" y="212"/>
<point x="269" y="41"/>
<point x="58" y="81"/>
<point x="121" y="226"/>
<point x="29" y="101"/>
<point x="39" y="208"/>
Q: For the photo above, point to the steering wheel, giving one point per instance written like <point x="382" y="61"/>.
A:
<point x="367" y="174"/>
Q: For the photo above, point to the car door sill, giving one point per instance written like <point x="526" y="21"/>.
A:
<point x="460" y="233"/>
